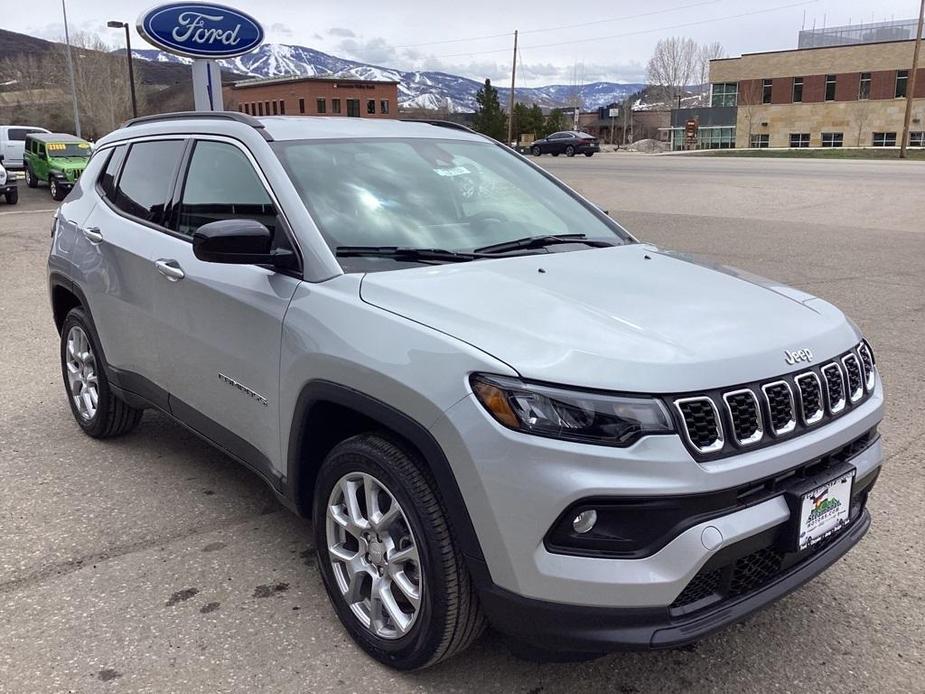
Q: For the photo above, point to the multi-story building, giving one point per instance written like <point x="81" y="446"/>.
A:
<point x="830" y="96"/>
<point x="313" y="96"/>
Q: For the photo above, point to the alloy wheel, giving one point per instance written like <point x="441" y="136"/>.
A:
<point x="374" y="555"/>
<point x="81" y="373"/>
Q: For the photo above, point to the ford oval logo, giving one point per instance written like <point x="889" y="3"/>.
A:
<point x="200" y="30"/>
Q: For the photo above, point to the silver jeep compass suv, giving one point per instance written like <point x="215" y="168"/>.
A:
<point x="495" y="404"/>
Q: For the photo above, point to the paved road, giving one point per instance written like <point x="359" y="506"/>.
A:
<point x="151" y="563"/>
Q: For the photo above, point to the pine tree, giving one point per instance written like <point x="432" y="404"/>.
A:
<point x="489" y="118"/>
<point x="555" y="121"/>
<point x="538" y="122"/>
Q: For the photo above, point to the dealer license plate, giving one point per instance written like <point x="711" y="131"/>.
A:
<point x="824" y="511"/>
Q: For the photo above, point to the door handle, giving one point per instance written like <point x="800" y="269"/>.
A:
<point x="170" y="269"/>
<point x="93" y="234"/>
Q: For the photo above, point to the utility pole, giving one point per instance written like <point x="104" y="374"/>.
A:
<point x="128" y="51"/>
<point x="910" y="91"/>
<point x="70" y="69"/>
<point x="510" y="109"/>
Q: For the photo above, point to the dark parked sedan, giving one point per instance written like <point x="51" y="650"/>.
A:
<point x="567" y="142"/>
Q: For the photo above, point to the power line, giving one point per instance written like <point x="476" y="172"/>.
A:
<point x="637" y="33"/>
<point x="565" y="26"/>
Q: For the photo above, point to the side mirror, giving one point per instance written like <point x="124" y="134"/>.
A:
<point x="237" y="241"/>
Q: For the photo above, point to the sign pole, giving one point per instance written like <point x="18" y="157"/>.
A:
<point x="207" y="86"/>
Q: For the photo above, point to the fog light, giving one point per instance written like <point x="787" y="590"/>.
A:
<point x="584" y="521"/>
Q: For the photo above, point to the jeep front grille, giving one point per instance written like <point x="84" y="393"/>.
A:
<point x="720" y="422"/>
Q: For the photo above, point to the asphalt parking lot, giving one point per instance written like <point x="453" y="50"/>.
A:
<point x="151" y="563"/>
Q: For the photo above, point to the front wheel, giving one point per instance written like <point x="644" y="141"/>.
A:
<point x="11" y="196"/>
<point x="536" y="151"/>
<point x="58" y="192"/>
<point x="589" y="154"/>
<point x="95" y="407"/>
<point x="570" y="151"/>
<point x="389" y="563"/>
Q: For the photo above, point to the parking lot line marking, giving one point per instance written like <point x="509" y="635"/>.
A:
<point x="51" y="209"/>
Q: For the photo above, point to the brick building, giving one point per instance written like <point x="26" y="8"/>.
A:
<point x="313" y="96"/>
<point x="833" y="96"/>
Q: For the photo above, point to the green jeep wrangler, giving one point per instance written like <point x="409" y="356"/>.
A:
<point x="55" y="158"/>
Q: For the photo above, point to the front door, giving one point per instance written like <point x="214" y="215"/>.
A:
<point x="221" y="325"/>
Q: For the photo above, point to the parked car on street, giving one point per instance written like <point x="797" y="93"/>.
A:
<point x="8" y="188"/>
<point x="567" y="142"/>
<point x="496" y="405"/>
<point x="57" y="159"/>
<point x="12" y="141"/>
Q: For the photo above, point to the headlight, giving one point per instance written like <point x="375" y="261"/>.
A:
<point x="2" y="175"/>
<point x="573" y="415"/>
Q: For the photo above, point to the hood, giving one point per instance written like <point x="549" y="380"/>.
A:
<point x="629" y="318"/>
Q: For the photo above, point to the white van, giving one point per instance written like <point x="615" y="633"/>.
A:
<point x="12" y="139"/>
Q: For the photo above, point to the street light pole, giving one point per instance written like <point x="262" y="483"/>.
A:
<point x="128" y="52"/>
<point x="70" y="69"/>
<point x="910" y="91"/>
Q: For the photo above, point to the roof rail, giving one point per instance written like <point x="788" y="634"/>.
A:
<point x="203" y="115"/>
<point x="441" y="124"/>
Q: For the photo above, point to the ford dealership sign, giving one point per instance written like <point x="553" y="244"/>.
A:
<point x="200" y="30"/>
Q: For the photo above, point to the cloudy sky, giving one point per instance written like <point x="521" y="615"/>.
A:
<point x="604" y="40"/>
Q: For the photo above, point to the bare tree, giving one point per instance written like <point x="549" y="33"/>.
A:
<point x="673" y="65"/>
<point x="708" y="52"/>
<point x="750" y="99"/>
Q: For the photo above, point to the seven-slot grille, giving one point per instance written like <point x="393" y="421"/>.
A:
<point x="720" y="422"/>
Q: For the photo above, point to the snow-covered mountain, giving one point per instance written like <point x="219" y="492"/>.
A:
<point x="426" y="90"/>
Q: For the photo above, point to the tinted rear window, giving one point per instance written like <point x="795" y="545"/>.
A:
<point x="20" y="133"/>
<point x="111" y="172"/>
<point x="147" y="179"/>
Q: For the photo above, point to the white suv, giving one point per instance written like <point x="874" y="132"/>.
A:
<point x="494" y="403"/>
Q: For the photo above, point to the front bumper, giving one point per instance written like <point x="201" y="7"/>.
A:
<point x="8" y="188"/>
<point x="561" y="629"/>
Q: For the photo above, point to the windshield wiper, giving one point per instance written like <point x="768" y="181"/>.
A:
<point x="531" y="242"/>
<point x="405" y="253"/>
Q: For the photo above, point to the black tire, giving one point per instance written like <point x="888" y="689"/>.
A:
<point x="536" y="151"/>
<point x="11" y="196"/>
<point x="31" y="180"/>
<point x="449" y="618"/>
<point x="57" y="192"/>
<point x="589" y="154"/>
<point x="555" y="154"/>
<point x="113" y="416"/>
<point x="570" y="151"/>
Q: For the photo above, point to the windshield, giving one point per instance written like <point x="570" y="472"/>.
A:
<point x="68" y="149"/>
<point x="428" y="193"/>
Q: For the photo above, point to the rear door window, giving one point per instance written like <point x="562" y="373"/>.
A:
<point x="111" y="172"/>
<point x="19" y="134"/>
<point x="147" y="179"/>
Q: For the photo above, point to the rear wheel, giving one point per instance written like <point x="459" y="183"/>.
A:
<point x="387" y="557"/>
<point x="570" y="151"/>
<point x="589" y="154"/>
<point x="536" y="151"/>
<point x="95" y="407"/>
<point x="31" y="180"/>
<point x="12" y="197"/>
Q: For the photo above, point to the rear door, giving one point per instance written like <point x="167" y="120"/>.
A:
<point x="119" y="242"/>
<point x="220" y="325"/>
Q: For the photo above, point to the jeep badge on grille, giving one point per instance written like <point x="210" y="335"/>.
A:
<point x="799" y="355"/>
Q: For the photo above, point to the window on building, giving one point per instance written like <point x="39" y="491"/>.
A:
<point x="275" y="108"/>
<point x="724" y="94"/>
<point x="241" y="108"/>
<point x="260" y="108"/>
<point x="383" y="106"/>
<point x="335" y="105"/>
<point x="282" y="107"/>
<point x="301" y="105"/>
<point x="797" y="90"/>
<point x="833" y="139"/>
<point x="146" y="181"/>
<point x="864" y="86"/>
<point x="321" y="106"/>
<point x="767" y="90"/>
<point x="222" y="184"/>
<point x="799" y="139"/>
<point x="371" y="106"/>
<point x="884" y="140"/>
<point x="902" y="78"/>
<point x="266" y="107"/>
<point x="716" y="138"/>
<point x="353" y="108"/>
<point x="830" y="83"/>
<point x="760" y="140"/>
<point x="917" y="139"/>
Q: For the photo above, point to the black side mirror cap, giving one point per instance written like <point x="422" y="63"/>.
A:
<point x="236" y="241"/>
